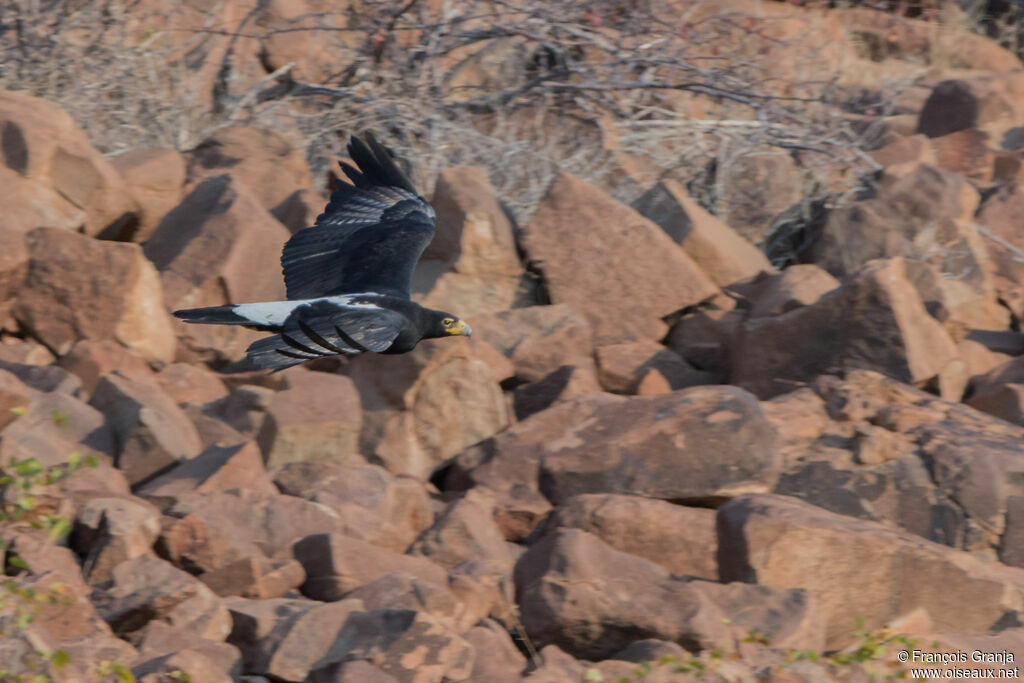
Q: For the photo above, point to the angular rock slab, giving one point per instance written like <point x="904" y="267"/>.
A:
<point x="701" y="443"/>
<point x="618" y="269"/>
<point x="857" y="569"/>
<point x="719" y="250"/>
<point x="876" y="321"/>
<point x="471" y="265"/>
<point x="81" y="288"/>
<point x="576" y="592"/>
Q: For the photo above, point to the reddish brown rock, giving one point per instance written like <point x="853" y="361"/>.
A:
<point x="91" y="359"/>
<point x="765" y="539"/>
<point x="373" y="505"/>
<point x="656" y="446"/>
<point x="966" y="152"/>
<point x="152" y="432"/>
<point x="464" y="531"/>
<point x="43" y="143"/>
<point x="337" y="564"/>
<point x="215" y="528"/>
<point x="186" y="383"/>
<point x="609" y="263"/>
<point x="196" y="665"/>
<point x="404" y="591"/>
<point x="538" y="339"/>
<point x="216" y="247"/>
<point x="498" y="659"/>
<point x="317" y="417"/>
<point x="109" y="531"/>
<point x="715" y="247"/>
<point x="924" y="215"/>
<point x="261" y="160"/>
<point x="680" y="539"/>
<point x="1005" y="401"/>
<point x="707" y="340"/>
<point x="905" y="342"/>
<point x="59" y="302"/>
<point x="563" y="384"/>
<point x="155" y="178"/>
<point x="259" y="578"/>
<point x="410" y="646"/>
<point x="796" y="286"/>
<point x="910" y="149"/>
<point x="471" y="265"/>
<point x="46" y="378"/>
<point x="581" y="595"/>
<point x="53" y="426"/>
<point x="422" y="408"/>
<point x="147" y="588"/>
<point x="355" y="671"/>
<point x="756" y="188"/>
<point x="625" y="368"/>
<point x="999" y="217"/>
<point x="286" y="638"/>
<point x="160" y="639"/>
<point x="217" y="468"/>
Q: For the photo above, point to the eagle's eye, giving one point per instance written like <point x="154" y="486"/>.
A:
<point x="448" y="322"/>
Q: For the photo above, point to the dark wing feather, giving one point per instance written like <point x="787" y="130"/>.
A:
<point x="369" y="237"/>
<point x="327" y="329"/>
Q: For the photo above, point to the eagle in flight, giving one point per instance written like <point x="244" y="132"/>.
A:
<point x="348" y="276"/>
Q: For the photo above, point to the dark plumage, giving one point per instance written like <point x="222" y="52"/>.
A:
<point x="348" y="276"/>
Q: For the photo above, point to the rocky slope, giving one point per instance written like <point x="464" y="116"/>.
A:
<point x="657" y="457"/>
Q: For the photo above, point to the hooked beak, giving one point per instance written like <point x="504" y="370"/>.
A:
<point x="461" y="328"/>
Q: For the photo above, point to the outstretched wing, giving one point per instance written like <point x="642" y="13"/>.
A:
<point x="369" y="237"/>
<point x="325" y="328"/>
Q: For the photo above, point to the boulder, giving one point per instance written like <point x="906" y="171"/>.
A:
<point x="578" y="593"/>
<point x="286" y="637"/>
<point x="216" y="468"/>
<point x="155" y="178"/>
<point x="152" y="432"/>
<point x="186" y="383"/>
<point x="757" y="187"/>
<point x="765" y="539"/>
<point x="875" y="321"/>
<point x="471" y="266"/>
<point x="90" y="359"/>
<point x="217" y="247"/>
<point x="796" y="286"/>
<point x="611" y="264"/>
<point x="259" y="578"/>
<point x="80" y="288"/>
<point x="263" y="161"/>
<point x="658" y="446"/>
<point x="205" y="531"/>
<point x="715" y="247"/>
<point x="337" y="564"/>
<point x="634" y="367"/>
<point x="372" y="505"/>
<point x="42" y="143"/>
<point x="316" y="418"/>
<point x="423" y="407"/>
<point x="464" y="531"/>
<point x="109" y="531"/>
<point x="147" y="589"/>
<point x="680" y="539"/>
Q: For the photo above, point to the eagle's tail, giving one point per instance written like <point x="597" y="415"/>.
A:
<point x="268" y="315"/>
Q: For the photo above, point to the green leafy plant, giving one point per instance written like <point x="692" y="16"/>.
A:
<point x="21" y="480"/>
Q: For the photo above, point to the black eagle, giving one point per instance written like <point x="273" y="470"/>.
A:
<point x="348" y="276"/>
